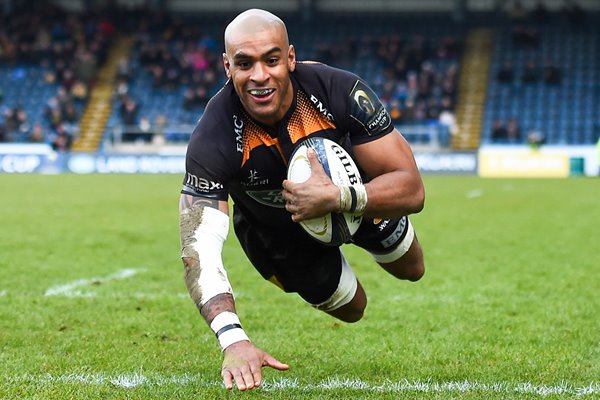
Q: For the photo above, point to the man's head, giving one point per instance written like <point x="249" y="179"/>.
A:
<point x="258" y="59"/>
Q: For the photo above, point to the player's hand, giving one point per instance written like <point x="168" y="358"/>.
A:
<point x="313" y="198"/>
<point x="242" y="364"/>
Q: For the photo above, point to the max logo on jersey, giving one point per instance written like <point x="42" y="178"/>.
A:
<point x="366" y="108"/>
<point x="201" y="184"/>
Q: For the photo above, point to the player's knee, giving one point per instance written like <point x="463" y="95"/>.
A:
<point x="416" y="271"/>
<point x="353" y="316"/>
<point x="352" y="312"/>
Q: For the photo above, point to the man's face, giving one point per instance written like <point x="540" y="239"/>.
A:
<point x="258" y="65"/>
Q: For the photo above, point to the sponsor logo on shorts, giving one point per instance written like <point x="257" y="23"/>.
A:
<point x="395" y="236"/>
<point x="271" y="198"/>
<point x="381" y="223"/>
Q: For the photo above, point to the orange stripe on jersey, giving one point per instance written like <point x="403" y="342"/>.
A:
<point x="306" y="119"/>
<point x="254" y="137"/>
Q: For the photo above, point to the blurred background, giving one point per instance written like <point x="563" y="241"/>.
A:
<point x="488" y="87"/>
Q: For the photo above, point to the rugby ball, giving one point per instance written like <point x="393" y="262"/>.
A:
<point x="332" y="229"/>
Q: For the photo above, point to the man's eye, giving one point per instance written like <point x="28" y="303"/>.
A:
<point x="243" y="64"/>
<point x="272" y="61"/>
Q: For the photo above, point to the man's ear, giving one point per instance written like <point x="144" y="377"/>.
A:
<point x="227" y="65"/>
<point x="291" y="58"/>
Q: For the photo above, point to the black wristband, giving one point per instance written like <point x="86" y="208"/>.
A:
<point x="353" y="196"/>
<point x="227" y="328"/>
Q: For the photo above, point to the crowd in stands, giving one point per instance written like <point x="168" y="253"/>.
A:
<point x="417" y="76"/>
<point x="68" y="49"/>
<point x="526" y="39"/>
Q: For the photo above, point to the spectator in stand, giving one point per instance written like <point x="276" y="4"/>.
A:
<point x="23" y="124"/>
<point x="551" y="73"/>
<point x="61" y="141"/>
<point x="129" y="111"/>
<point x="449" y="125"/>
<point x="525" y="38"/>
<point x="499" y="132"/>
<point x="506" y="72"/>
<point x="531" y="73"/>
<point x="37" y="134"/>
<point x="10" y="124"/>
<point x="513" y="131"/>
<point x="395" y="111"/>
<point x="124" y="72"/>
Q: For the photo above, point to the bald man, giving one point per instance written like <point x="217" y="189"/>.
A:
<point x="240" y="149"/>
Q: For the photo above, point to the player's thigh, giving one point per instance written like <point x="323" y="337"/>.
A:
<point x="394" y="245"/>
<point x="292" y="260"/>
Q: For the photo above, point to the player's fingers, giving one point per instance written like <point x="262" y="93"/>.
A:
<point x="255" y="369"/>
<point x="270" y="361"/>
<point x="238" y="378"/>
<point x="248" y="378"/>
<point x="227" y="378"/>
<point x="315" y="164"/>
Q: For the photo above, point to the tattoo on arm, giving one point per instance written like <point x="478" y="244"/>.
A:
<point x="187" y="201"/>
<point x="191" y="209"/>
<point x="216" y="305"/>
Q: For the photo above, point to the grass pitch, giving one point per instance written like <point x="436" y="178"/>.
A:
<point x="93" y="304"/>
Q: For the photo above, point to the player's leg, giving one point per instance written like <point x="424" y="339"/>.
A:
<point x="296" y="263"/>
<point x="410" y="265"/>
<point x="349" y="300"/>
<point x="394" y="245"/>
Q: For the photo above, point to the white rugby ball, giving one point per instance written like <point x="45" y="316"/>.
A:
<point x="335" y="228"/>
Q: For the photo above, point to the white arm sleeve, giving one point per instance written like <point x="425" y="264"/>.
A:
<point x="209" y="277"/>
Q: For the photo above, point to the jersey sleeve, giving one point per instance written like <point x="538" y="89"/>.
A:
<point x="358" y="108"/>
<point x="207" y="170"/>
<point x="369" y="119"/>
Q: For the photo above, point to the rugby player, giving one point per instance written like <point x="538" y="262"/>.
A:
<point x="240" y="149"/>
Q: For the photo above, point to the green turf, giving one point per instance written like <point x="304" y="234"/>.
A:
<point x="509" y="306"/>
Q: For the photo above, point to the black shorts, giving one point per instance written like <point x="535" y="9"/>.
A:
<point x="303" y="265"/>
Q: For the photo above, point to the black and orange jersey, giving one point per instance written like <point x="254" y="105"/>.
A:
<point x="230" y="154"/>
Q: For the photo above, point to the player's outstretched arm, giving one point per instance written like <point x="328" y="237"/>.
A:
<point x="204" y="224"/>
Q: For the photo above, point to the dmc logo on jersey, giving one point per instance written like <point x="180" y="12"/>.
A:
<point x="271" y="198"/>
<point x="238" y="128"/>
<point x="364" y="102"/>
<point x="201" y="184"/>
<point x="321" y="108"/>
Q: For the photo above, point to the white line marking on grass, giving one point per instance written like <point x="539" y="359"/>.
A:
<point x="471" y="194"/>
<point x="137" y="379"/>
<point x="3" y="293"/>
<point x="69" y="289"/>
